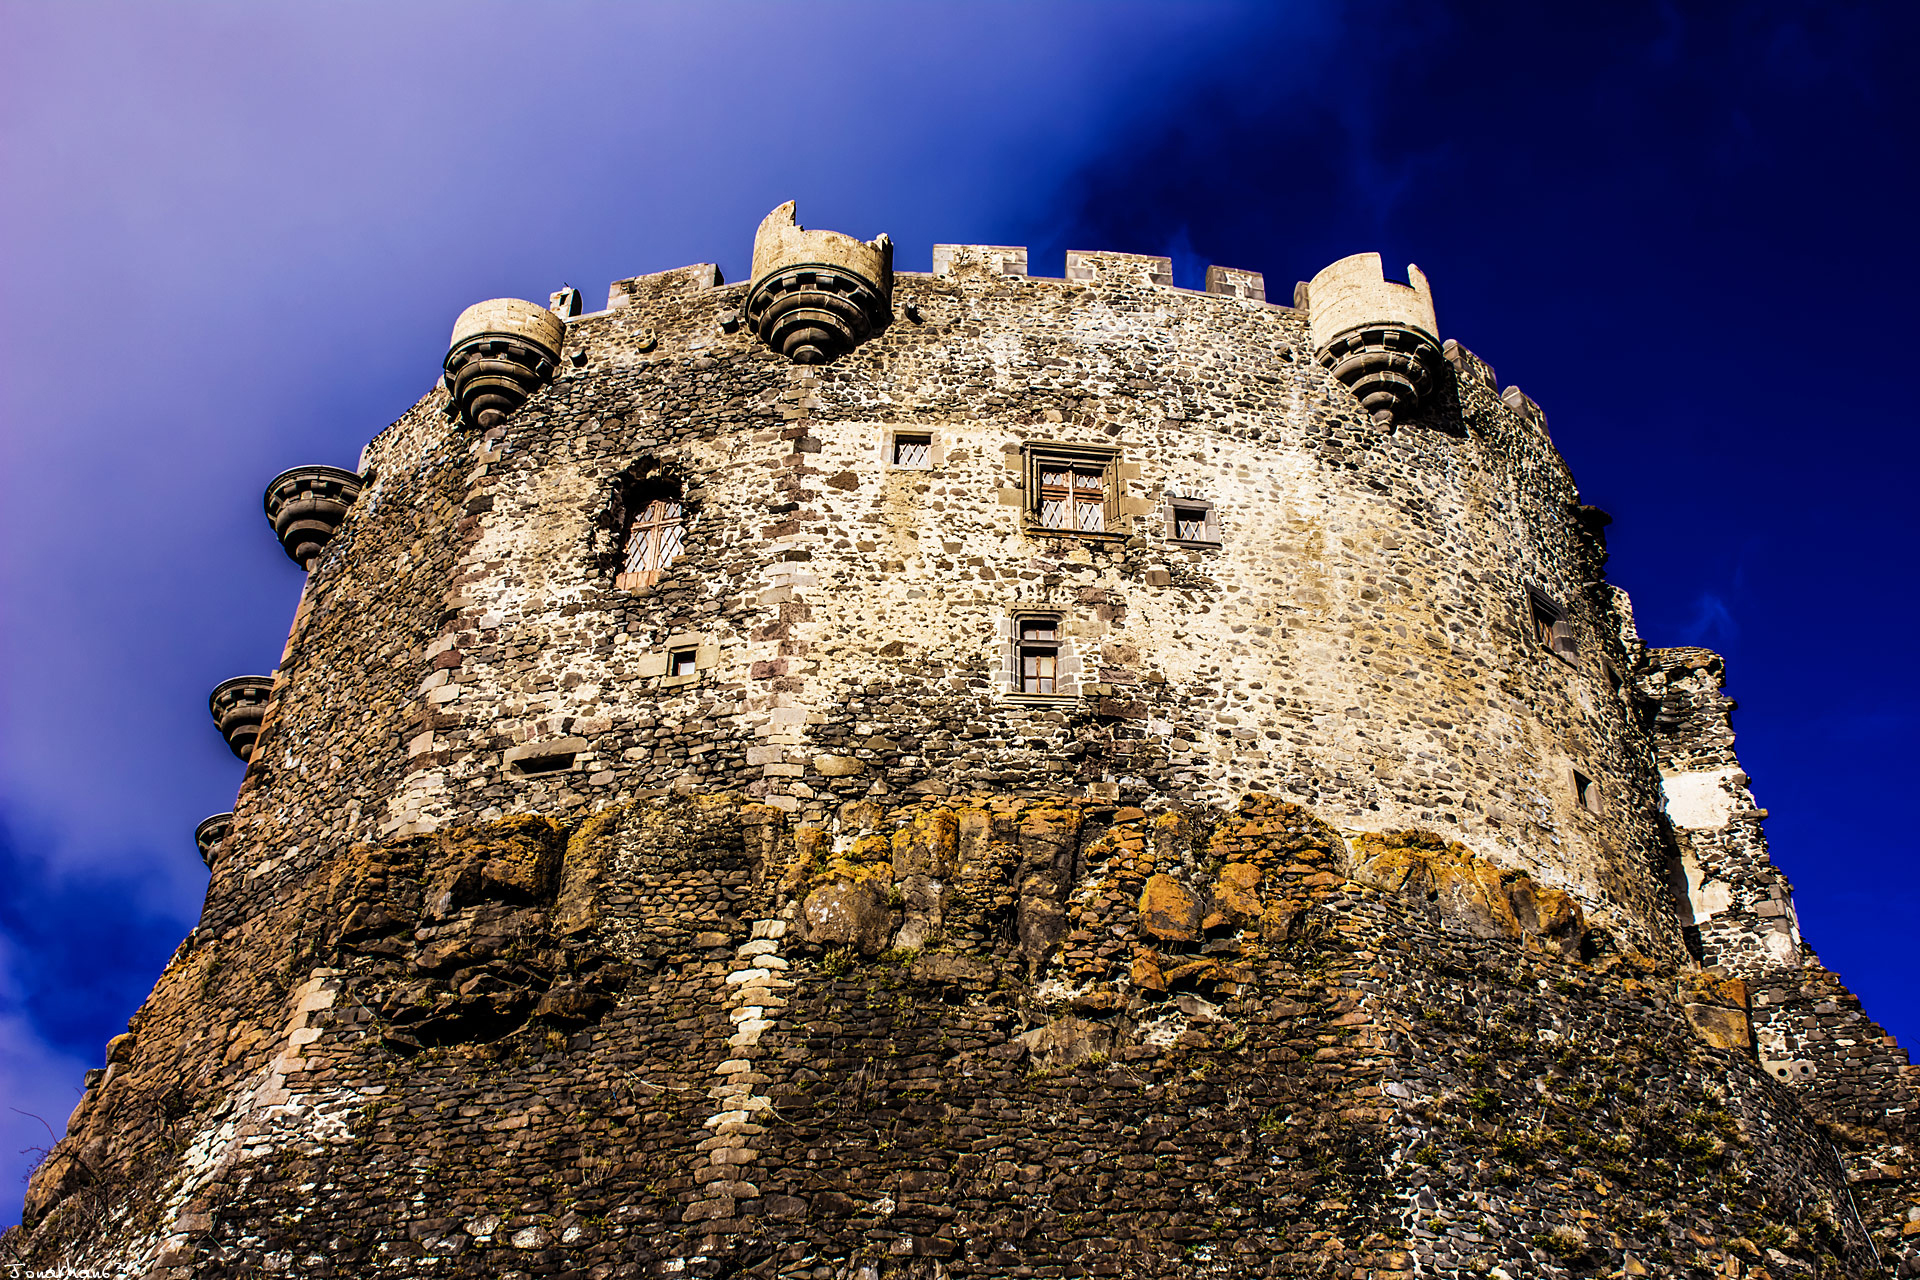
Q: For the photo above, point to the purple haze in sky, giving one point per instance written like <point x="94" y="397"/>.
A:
<point x="233" y="238"/>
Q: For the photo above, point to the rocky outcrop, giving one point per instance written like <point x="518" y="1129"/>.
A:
<point x="981" y="1030"/>
<point x="459" y="934"/>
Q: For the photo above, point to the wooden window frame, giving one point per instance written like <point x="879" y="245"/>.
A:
<point x="1210" y="522"/>
<point x="1053" y="648"/>
<point x="665" y="541"/>
<point x="1077" y="459"/>
<point x="896" y="440"/>
<point x="1552" y="627"/>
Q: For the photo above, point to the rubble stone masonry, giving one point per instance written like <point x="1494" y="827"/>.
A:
<point x="1362" y="899"/>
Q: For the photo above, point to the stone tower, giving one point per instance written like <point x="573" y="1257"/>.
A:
<point x="863" y="773"/>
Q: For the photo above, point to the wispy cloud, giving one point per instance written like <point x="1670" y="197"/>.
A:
<point x="1712" y="620"/>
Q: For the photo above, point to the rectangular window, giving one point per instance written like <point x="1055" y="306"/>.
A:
<point x="1073" y="498"/>
<point x="1192" y="520"/>
<point x="1585" y="793"/>
<point x="1551" y="626"/>
<point x="680" y="662"/>
<point x="913" y="450"/>
<point x="1039" y="655"/>
<point x="1071" y="489"/>
<point x="654" y="539"/>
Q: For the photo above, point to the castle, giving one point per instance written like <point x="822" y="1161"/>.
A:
<point x="864" y="773"/>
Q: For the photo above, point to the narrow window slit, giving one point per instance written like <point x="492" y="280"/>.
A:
<point x="544" y="764"/>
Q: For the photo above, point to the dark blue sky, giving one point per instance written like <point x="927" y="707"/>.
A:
<point x="233" y="237"/>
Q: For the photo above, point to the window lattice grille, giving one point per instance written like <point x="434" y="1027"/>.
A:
<point x="1073" y="498"/>
<point x="655" y="539"/>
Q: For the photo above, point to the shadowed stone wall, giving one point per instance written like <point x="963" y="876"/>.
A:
<point x="1367" y="900"/>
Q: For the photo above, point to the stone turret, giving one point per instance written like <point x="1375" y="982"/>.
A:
<point x="209" y="835"/>
<point x="817" y="294"/>
<point x="502" y="351"/>
<point x="238" y="705"/>
<point x="1378" y="337"/>
<point x="305" y="505"/>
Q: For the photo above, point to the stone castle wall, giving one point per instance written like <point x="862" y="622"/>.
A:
<point x="1372" y="903"/>
<point x="1335" y="646"/>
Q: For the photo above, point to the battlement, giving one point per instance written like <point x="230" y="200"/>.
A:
<point x="994" y="259"/>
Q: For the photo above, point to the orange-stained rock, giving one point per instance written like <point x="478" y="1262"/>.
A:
<point x="1146" y="972"/>
<point x="1468" y="889"/>
<point x="1549" y="915"/>
<point x="928" y="844"/>
<point x="1271" y="833"/>
<point x="1721" y="1028"/>
<point x="1237" y="894"/>
<point x="1276" y="923"/>
<point x="1193" y="973"/>
<point x="1168" y="911"/>
<point x="1465" y="888"/>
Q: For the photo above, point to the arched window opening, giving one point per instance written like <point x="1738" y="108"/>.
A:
<point x="656" y="536"/>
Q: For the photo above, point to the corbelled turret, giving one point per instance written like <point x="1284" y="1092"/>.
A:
<point x="306" y="505"/>
<point x="209" y="835"/>
<point x="239" y="705"/>
<point x="502" y="351"/>
<point x="1378" y="337"/>
<point x="817" y="294"/>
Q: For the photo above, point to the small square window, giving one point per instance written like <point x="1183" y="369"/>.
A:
<point x="1073" y="498"/>
<point x="1039" y="655"/>
<point x="1192" y="520"/>
<point x="913" y="449"/>
<point x="680" y="662"/>
<point x="1585" y="793"/>
<point x="1071" y="489"/>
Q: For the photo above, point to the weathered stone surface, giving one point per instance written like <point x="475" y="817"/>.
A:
<point x="745" y="1001"/>
<point x="848" y="914"/>
<point x="837" y="766"/>
<point x="541" y="942"/>
<point x="1719" y="1027"/>
<point x="1237" y="894"/>
<point x="1167" y="910"/>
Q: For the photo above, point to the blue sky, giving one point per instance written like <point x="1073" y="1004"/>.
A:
<point x="233" y="238"/>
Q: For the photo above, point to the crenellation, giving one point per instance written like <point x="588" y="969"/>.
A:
<point x="1235" y="283"/>
<point x="994" y="259"/>
<point x="990" y="774"/>
<point x="1090" y="267"/>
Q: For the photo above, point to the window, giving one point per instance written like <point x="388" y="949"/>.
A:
<point x="913" y="449"/>
<point x="654" y="539"/>
<point x="1039" y="655"/>
<point x="682" y="662"/>
<point x="1071" y="489"/>
<point x="1192" y="520"/>
<point x="1551" y="627"/>
<point x="1073" y="498"/>
<point x="544" y="764"/>
<point x="1585" y="793"/>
